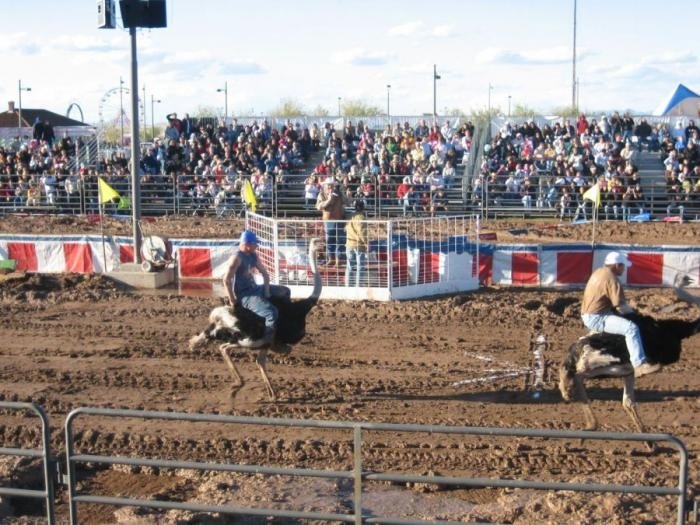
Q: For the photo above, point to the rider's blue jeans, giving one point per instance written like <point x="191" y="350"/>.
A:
<point x="614" y="324"/>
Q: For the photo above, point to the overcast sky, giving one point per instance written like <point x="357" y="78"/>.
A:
<point x="631" y="54"/>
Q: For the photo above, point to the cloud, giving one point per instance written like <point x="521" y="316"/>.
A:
<point x="85" y="43"/>
<point x="442" y="31"/>
<point x="671" y="58"/>
<point x="244" y="67"/>
<point x="545" y="56"/>
<point x="630" y="72"/>
<point x="363" y="57"/>
<point x="417" y="29"/>
<point x="19" y="44"/>
<point x="407" y="29"/>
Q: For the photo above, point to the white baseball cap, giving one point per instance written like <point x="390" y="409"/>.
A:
<point x="617" y="258"/>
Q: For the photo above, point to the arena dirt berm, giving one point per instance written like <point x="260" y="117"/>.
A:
<point x="70" y="340"/>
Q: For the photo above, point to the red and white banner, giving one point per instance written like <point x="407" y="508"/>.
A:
<point x="557" y="265"/>
<point x="571" y="265"/>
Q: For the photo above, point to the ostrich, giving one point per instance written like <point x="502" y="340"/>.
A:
<point x="599" y="355"/>
<point x="240" y="328"/>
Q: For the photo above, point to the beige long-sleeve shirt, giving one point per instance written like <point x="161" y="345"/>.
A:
<point x="603" y="292"/>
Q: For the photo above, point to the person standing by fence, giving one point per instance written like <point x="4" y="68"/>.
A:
<point x="356" y="246"/>
<point x="330" y="204"/>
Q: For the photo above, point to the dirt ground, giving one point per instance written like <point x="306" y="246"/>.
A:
<point x="71" y="341"/>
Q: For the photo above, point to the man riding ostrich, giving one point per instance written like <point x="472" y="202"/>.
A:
<point x="624" y="347"/>
<point x="261" y="316"/>
<point x="604" y="292"/>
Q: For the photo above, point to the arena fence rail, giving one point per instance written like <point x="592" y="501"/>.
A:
<point x="358" y="474"/>
<point x="48" y="463"/>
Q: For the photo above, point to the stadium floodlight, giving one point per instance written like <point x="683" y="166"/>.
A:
<point x="224" y="90"/>
<point x="436" y="77"/>
<point x="153" y="126"/>
<point x="388" y="98"/>
<point x="19" y="115"/>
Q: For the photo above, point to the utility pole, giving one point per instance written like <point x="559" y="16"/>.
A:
<point x="153" y="126"/>
<point x="19" y="115"/>
<point x="224" y="90"/>
<point x="121" y="110"/>
<point x="143" y="101"/>
<point x="436" y="77"/>
<point x="488" y="111"/>
<point x="388" y="112"/>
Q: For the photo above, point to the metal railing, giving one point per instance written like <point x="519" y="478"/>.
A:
<point x="178" y="194"/>
<point x="47" y="494"/>
<point x="358" y="474"/>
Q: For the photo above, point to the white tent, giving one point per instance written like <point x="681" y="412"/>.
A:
<point x="681" y="102"/>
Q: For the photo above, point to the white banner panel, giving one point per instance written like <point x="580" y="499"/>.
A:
<point x="50" y="257"/>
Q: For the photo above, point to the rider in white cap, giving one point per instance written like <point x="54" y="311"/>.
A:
<point x="601" y="298"/>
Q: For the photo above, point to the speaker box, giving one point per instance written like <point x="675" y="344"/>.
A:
<point x="154" y="14"/>
<point x="143" y="13"/>
<point x="106" y="15"/>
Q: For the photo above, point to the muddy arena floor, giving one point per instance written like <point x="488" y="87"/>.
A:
<point x="73" y="340"/>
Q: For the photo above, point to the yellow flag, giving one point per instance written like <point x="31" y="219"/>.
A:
<point x="593" y="194"/>
<point x="106" y="192"/>
<point x="249" y="195"/>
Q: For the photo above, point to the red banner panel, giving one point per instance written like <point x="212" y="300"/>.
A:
<point x="524" y="268"/>
<point x="195" y="262"/>
<point x="574" y="267"/>
<point x="126" y="253"/>
<point x="646" y="269"/>
<point x="24" y="254"/>
<point x="485" y="268"/>
<point x="78" y="257"/>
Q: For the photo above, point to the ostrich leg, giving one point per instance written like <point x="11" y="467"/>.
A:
<point x="237" y="379"/>
<point x="630" y="406"/>
<point x="261" y="360"/>
<point x="582" y="398"/>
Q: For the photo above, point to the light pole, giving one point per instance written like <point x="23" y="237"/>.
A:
<point x="224" y="90"/>
<point x="121" y="110"/>
<point x="153" y="126"/>
<point x="144" y="111"/>
<point x="388" y="99"/>
<point x="436" y="77"/>
<point x="488" y="111"/>
<point x="509" y="106"/>
<point x="19" y="115"/>
<point x="339" y="113"/>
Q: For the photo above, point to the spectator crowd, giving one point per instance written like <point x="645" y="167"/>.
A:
<point x="554" y="165"/>
<point x="205" y="165"/>
<point x="409" y="167"/>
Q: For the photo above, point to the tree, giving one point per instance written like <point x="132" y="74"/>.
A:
<point x="565" y="111"/>
<point x="205" y="112"/>
<point x="455" y="113"/>
<point x="319" y="111"/>
<point x="288" y="107"/>
<point x="523" y="111"/>
<point x="483" y="115"/>
<point x="360" y="108"/>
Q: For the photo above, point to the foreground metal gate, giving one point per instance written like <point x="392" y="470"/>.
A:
<point x="357" y="474"/>
<point x="48" y="464"/>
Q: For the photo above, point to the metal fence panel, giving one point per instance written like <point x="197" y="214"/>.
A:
<point x="359" y="475"/>
<point x="47" y="494"/>
<point x="437" y="254"/>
